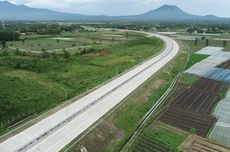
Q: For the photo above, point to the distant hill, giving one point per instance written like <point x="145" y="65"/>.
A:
<point x="9" y="11"/>
<point x="173" y="13"/>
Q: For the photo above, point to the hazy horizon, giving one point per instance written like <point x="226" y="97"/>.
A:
<point x="128" y="7"/>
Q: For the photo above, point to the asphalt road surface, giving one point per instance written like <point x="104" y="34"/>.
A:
<point x="59" y="129"/>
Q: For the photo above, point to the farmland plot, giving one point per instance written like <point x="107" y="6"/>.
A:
<point x="190" y="109"/>
<point x="198" y="144"/>
<point x="157" y="138"/>
<point x="215" y="67"/>
<point x="203" y="67"/>
<point x="219" y="74"/>
<point x="225" y="65"/>
<point x="187" y="120"/>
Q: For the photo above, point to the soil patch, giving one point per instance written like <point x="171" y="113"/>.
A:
<point x="96" y="54"/>
<point x="191" y="109"/>
<point x="196" y="143"/>
<point x="100" y="138"/>
<point x="225" y="65"/>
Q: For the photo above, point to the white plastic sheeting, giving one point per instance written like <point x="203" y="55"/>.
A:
<point x="214" y="51"/>
<point x="207" y="68"/>
<point x="221" y="131"/>
<point x="203" y="67"/>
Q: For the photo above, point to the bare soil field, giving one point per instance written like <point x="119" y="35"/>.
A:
<point x="191" y="108"/>
<point x="225" y="65"/>
<point x="227" y="49"/>
<point x="97" y="54"/>
<point x="201" y="97"/>
<point x="197" y="144"/>
<point x="187" y="120"/>
<point x="104" y="135"/>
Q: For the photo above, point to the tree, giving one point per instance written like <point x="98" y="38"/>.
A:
<point x="9" y="35"/>
<point x="3" y="43"/>
<point x="66" y="54"/>
<point x="190" y="31"/>
<point x="224" y="43"/>
<point x="196" y="41"/>
<point x="207" y="42"/>
<point x="17" y="52"/>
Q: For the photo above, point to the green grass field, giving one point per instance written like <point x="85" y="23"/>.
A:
<point x="72" y="39"/>
<point x="188" y="80"/>
<point x="31" y="85"/>
<point x="195" y="58"/>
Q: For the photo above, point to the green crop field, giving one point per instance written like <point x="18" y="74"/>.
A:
<point x="156" y="138"/>
<point x="33" y="84"/>
<point x="195" y="58"/>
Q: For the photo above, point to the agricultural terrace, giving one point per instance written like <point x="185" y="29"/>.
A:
<point x="33" y="84"/>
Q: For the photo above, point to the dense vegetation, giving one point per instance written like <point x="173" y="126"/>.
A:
<point x="8" y="36"/>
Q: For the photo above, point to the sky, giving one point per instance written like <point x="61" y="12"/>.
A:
<point x="129" y="7"/>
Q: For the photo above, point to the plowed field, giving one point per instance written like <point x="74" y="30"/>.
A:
<point x="187" y="120"/>
<point x="190" y="109"/>
<point x="197" y="144"/>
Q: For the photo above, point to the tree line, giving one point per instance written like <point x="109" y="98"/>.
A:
<point x="8" y="36"/>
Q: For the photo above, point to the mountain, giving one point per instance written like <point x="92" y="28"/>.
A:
<point x="9" y="11"/>
<point x="173" y="13"/>
<point x="166" y="12"/>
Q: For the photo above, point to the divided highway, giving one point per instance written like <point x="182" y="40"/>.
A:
<point x="59" y="129"/>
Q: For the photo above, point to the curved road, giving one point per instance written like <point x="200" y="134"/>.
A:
<point x="59" y="129"/>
